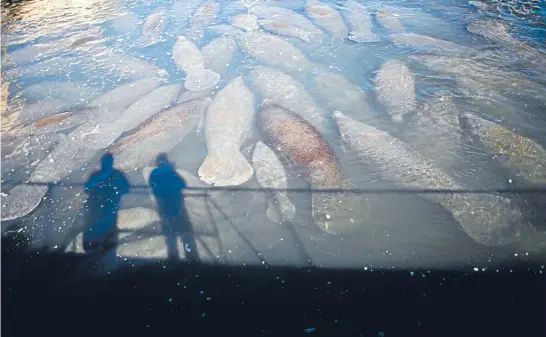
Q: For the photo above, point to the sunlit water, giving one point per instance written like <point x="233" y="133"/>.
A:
<point x="500" y="76"/>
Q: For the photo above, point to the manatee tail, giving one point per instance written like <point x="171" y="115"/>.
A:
<point x="280" y="208"/>
<point x="364" y="38"/>
<point x="224" y="169"/>
<point x="22" y="200"/>
<point x="201" y="79"/>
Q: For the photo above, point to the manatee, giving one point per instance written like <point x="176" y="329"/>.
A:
<point x="159" y="133"/>
<point x="390" y="20"/>
<point x="111" y="104"/>
<point x="187" y="57"/>
<point x="71" y="92"/>
<point x="434" y="130"/>
<point x="395" y="89"/>
<point x="289" y="134"/>
<point x="270" y="174"/>
<point x="327" y="17"/>
<point x="105" y="133"/>
<point x="218" y="54"/>
<point x="182" y="11"/>
<point x="59" y="122"/>
<point x="205" y="15"/>
<point x="283" y="90"/>
<point x="109" y="60"/>
<point x="482" y="6"/>
<point x="341" y="94"/>
<point x="225" y="30"/>
<point x="426" y="43"/>
<point x="488" y="219"/>
<point x="66" y="157"/>
<point x="519" y="153"/>
<point x="21" y="155"/>
<point x="481" y="79"/>
<point x="493" y="30"/>
<point x="361" y="23"/>
<point x="32" y="110"/>
<point x="152" y="28"/>
<point x="274" y="51"/>
<point x="247" y="22"/>
<point x="228" y="123"/>
<point x="286" y="22"/>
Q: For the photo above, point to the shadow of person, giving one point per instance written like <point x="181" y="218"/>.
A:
<point x="105" y="188"/>
<point x="167" y="186"/>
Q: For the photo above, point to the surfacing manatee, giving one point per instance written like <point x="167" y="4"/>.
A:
<point x="390" y="20"/>
<point x="270" y="174"/>
<point x="486" y="218"/>
<point x="158" y="134"/>
<point x="395" y="89"/>
<point x="289" y="134"/>
<point x="187" y="57"/>
<point x="228" y="123"/>
<point x="520" y="153"/>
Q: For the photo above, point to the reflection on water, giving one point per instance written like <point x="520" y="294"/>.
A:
<point x="281" y="94"/>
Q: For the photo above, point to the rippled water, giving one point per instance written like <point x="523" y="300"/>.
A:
<point x="487" y="59"/>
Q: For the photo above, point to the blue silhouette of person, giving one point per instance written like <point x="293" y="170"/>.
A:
<point x="167" y="186"/>
<point x="105" y="188"/>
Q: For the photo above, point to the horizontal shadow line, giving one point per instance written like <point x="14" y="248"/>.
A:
<point x="315" y="190"/>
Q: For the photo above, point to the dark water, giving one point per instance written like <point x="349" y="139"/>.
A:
<point x="47" y="73"/>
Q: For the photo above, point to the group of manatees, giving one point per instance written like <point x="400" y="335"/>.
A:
<point x="150" y="115"/>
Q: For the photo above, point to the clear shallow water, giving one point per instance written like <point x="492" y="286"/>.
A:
<point x="64" y="56"/>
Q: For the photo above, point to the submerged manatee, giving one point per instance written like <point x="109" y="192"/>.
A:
<point x="520" y="153"/>
<point x="341" y="94"/>
<point x="228" y="123"/>
<point x="205" y="15"/>
<point x="434" y="131"/>
<point x="225" y="30"/>
<point x="158" y="134"/>
<point x="248" y="22"/>
<point x="270" y="174"/>
<point x="283" y="90"/>
<point x="71" y="92"/>
<point x="105" y="133"/>
<point x="390" y="20"/>
<point x="289" y="134"/>
<point x="488" y="219"/>
<point x="187" y="57"/>
<point x="59" y="122"/>
<point x="109" y="60"/>
<point x="152" y="28"/>
<point x="395" y="88"/>
<point x="361" y="23"/>
<point x="327" y="17"/>
<point x="218" y="54"/>
<point x="111" y="104"/>
<point x="65" y="158"/>
<point x="286" y="22"/>
<point x="274" y="51"/>
<point x="426" y="43"/>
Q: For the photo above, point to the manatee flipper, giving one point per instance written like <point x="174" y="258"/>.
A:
<point x="280" y="208"/>
<point x="22" y="200"/>
<point x="224" y="169"/>
<point x="201" y="79"/>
